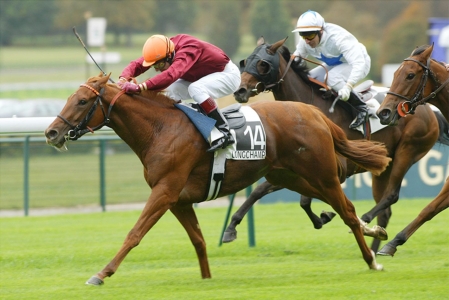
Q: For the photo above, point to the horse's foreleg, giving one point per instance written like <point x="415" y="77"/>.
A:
<point x="187" y="217"/>
<point x="154" y="209"/>
<point x="440" y="203"/>
<point x="382" y="222"/>
<point x="382" y="205"/>
<point x="386" y="188"/>
<point x="261" y="190"/>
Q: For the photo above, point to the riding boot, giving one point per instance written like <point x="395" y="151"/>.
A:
<point x="360" y="106"/>
<point x="212" y="111"/>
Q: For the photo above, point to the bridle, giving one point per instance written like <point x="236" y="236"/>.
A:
<point x="409" y="105"/>
<point x="81" y="129"/>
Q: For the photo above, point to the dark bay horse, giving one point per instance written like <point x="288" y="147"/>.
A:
<point x="406" y="143"/>
<point x="176" y="164"/>
<point x="418" y="80"/>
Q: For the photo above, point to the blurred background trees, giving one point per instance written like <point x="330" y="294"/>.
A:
<point x="389" y="29"/>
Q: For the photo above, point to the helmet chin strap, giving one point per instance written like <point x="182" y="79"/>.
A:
<point x="169" y="56"/>
<point x="320" y="33"/>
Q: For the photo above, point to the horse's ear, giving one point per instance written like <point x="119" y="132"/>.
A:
<point x="260" y="41"/>
<point x="428" y="52"/>
<point x="103" y="78"/>
<point x="276" y="45"/>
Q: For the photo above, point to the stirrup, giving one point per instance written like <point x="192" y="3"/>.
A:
<point x="221" y="143"/>
<point x="359" y="121"/>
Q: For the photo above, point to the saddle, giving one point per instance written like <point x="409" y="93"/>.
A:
<point x="235" y="118"/>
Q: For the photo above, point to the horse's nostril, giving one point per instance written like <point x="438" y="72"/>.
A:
<point x="241" y="91"/>
<point x="384" y="113"/>
<point x="51" y="134"/>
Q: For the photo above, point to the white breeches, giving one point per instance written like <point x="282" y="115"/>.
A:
<point x="215" y="85"/>
<point x="337" y="75"/>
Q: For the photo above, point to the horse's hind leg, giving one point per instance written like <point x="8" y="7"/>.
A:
<point x="263" y="189"/>
<point x="330" y="192"/>
<point x="318" y="222"/>
<point x="346" y="210"/>
<point x="187" y="217"/>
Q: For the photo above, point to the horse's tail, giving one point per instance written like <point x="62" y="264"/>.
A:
<point x="370" y="155"/>
<point x="443" y="137"/>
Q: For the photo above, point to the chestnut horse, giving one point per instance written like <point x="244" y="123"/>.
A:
<point x="302" y="146"/>
<point x="411" y="83"/>
<point x="407" y="143"/>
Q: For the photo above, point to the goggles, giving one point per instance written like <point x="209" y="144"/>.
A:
<point x="308" y="35"/>
<point x="160" y="64"/>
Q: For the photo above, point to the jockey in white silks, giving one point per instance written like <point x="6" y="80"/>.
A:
<point x="345" y="58"/>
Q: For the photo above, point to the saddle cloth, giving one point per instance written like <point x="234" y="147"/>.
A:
<point x="247" y="130"/>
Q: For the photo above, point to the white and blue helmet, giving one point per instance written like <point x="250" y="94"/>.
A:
<point x="309" y="21"/>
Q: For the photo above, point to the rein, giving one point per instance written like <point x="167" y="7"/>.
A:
<point x="264" y="81"/>
<point x="81" y="129"/>
<point x="270" y="86"/>
<point x="267" y="88"/>
<point x="409" y="105"/>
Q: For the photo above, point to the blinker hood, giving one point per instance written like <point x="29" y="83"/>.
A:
<point x="261" y="53"/>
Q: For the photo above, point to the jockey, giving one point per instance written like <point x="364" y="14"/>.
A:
<point x="190" y="69"/>
<point x="345" y="58"/>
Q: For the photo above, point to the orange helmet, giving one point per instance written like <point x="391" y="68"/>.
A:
<point x="156" y="48"/>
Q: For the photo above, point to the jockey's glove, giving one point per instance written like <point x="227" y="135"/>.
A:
<point x="345" y="92"/>
<point x="130" y="88"/>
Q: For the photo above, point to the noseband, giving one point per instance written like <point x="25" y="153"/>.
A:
<point x="81" y="129"/>
<point x="409" y="105"/>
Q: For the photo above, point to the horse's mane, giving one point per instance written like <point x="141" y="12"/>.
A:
<point x="158" y="96"/>
<point x="301" y="71"/>
<point x="419" y="50"/>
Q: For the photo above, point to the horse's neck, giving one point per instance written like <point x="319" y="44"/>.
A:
<point x="293" y="88"/>
<point x="136" y="121"/>
<point x="441" y="99"/>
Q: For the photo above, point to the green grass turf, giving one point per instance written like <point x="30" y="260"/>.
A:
<point x="71" y="179"/>
<point x="51" y="257"/>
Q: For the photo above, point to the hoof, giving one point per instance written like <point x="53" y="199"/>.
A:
<point x="381" y="233"/>
<point x="374" y="265"/>
<point x="387" y="250"/>
<point x="377" y="267"/>
<point x="327" y="216"/>
<point x="229" y="236"/>
<point x="317" y="225"/>
<point x="95" y="281"/>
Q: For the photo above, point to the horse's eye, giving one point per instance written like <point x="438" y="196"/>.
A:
<point x="82" y="102"/>
<point x="264" y="67"/>
<point x="410" y="76"/>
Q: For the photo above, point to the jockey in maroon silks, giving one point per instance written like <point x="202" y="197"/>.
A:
<point x="190" y="69"/>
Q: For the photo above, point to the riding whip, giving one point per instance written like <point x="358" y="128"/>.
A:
<point x="84" y="46"/>
<point x="331" y="110"/>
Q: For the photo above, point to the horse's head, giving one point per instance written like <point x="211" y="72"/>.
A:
<point x="409" y="83"/>
<point x="259" y="71"/>
<point x="84" y="112"/>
